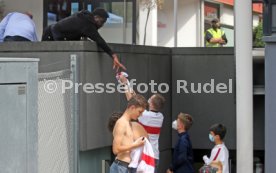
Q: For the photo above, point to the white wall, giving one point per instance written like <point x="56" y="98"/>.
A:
<point x="227" y="16"/>
<point x="33" y="6"/>
<point x="188" y="24"/>
<point x="151" y="31"/>
<point x="165" y="25"/>
<point x="113" y="33"/>
<point x="255" y="19"/>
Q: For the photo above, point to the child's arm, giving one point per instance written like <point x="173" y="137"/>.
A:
<point x="128" y="88"/>
<point x="207" y="161"/>
<point x="213" y="155"/>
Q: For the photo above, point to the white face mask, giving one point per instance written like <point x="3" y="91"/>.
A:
<point x="174" y="125"/>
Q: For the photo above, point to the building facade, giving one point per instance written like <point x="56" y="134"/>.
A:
<point x="128" y="18"/>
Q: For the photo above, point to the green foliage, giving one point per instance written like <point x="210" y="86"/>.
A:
<point x="258" y="36"/>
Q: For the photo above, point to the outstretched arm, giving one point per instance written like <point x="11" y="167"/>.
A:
<point x="95" y="36"/>
<point x="128" y="88"/>
<point x="116" y="63"/>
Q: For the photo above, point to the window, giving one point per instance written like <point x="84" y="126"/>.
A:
<point x="211" y="11"/>
<point x="120" y="26"/>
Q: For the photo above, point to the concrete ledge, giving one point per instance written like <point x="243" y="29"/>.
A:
<point x="203" y="51"/>
<point x="270" y="39"/>
<point x="78" y="46"/>
<point x="258" y="54"/>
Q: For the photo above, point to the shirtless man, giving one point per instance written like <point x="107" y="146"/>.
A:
<point x="138" y="129"/>
<point x="151" y="119"/>
<point x="138" y="132"/>
<point x="123" y="134"/>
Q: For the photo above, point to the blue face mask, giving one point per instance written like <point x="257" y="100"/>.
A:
<point x="211" y="137"/>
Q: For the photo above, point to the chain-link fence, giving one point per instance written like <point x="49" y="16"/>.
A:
<point x="55" y="124"/>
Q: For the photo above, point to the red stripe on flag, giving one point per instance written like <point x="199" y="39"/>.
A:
<point x="152" y="130"/>
<point x="148" y="159"/>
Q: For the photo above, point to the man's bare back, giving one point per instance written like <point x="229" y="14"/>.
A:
<point x="138" y="130"/>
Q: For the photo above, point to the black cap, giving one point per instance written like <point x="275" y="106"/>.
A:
<point x="215" y="20"/>
<point x="100" y="12"/>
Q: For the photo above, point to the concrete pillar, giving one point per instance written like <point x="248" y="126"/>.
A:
<point x="244" y="85"/>
<point x="270" y="102"/>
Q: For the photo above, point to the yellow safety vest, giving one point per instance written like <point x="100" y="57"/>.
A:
<point x="216" y="34"/>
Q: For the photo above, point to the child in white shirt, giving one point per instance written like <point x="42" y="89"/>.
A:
<point x="219" y="155"/>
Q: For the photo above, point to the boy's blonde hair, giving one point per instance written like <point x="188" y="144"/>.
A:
<point x="186" y="119"/>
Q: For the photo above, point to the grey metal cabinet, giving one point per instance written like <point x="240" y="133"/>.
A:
<point x="18" y="115"/>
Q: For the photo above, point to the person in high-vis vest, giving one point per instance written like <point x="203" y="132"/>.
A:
<point x="215" y="37"/>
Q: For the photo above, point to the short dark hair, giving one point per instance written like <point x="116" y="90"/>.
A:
<point x="215" y="20"/>
<point x="218" y="129"/>
<point x="138" y="101"/>
<point x="100" y="12"/>
<point x="113" y="119"/>
<point x="158" y="102"/>
<point x="29" y="14"/>
<point x="186" y="119"/>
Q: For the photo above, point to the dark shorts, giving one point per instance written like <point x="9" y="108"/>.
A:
<point x="119" y="166"/>
<point x="15" y="38"/>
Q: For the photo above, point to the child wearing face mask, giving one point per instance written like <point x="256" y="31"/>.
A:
<point x="219" y="155"/>
<point x="183" y="154"/>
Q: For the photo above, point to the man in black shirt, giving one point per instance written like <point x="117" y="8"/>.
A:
<point x="82" y="24"/>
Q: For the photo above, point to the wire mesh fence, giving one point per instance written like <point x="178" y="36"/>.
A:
<point x="55" y="124"/>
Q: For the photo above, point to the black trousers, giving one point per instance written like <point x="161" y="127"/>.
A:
<point x="47" y="34"/>
<point x="15" y="38"/>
